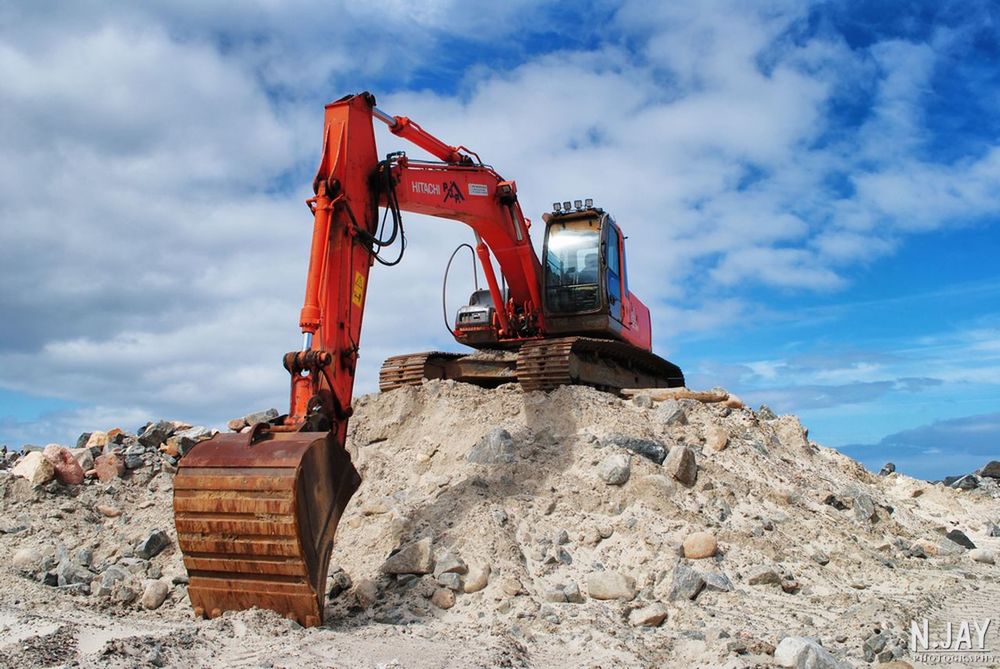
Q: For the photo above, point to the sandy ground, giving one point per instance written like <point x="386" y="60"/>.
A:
<point x="531" y="505"/>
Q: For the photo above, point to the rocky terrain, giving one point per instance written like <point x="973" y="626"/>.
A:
<point x="498" y="528"/>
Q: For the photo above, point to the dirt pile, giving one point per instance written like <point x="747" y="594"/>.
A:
<point x="497" y="528"/>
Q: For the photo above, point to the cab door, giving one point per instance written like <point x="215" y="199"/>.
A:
<point x="613" y="262"/>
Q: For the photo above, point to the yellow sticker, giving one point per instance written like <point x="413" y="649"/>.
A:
<point x="358" y="293"/>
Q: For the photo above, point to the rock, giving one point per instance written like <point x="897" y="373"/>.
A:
<point x="152" y="545"/>
<point x="111" y="579"/>
<point x="717" y="438"/>
<point x="338" y="583"/>
<point x="610" y="585"/>
<point x="181" y="442"/>
<point x="135" y="455"/>
<point x="154" y="594"/>
<point x="449" y="562"/>
<point x="820" y="557"/>
<point x="651" y="450"/>
<point x="763" y="576"/>
<point x="556" y="596"/>
<point x="864" y="507"/>
<point x="887" y="468"/>
<point x="687" y="583"/>
<point x="443" y="598"/>
<point x="643" y="401"/>
<point x="365" y="593"/>
<point x="70" y="573"/>
<point x="718" y="582"/>
<point x="108" y="511"/>
<point x="477" y="578"/>
<point x="959" y="537"/>
<point x="765" y="413"/>
<point x="450" y="580"/>
<point x="512" y="586"/>
<point x="67" y="470"/>
<point x="671" y="412"/>
<point x="992" y="529"/>
<point x="96" y="441"/>
<point x="29" y="560"/>
<point x="265" y="416"/>
<point x="680" y="464"/>
<point x="156" y="433"/>
<point x="991" y="469"/>
<point x="496" y="447"/>
<point x="983" y="555"/>
<point x="573" y="594"/>
<point x="35" y="467"/>
<point x="237" y="424"/>
<point x="698" y="545"/>
<point x="648" y="616"/>
<point x="874" y="645"/>
<point x="614" y="469"/>
<point x="85" y="458"/>
<point x="837" y="502"/>
<point x="413" y="558"/>
<point x="81" y="441"/>
<point x="109" y="467"/>
<point x="804" y="653"/>
<point x="968" y="482"/>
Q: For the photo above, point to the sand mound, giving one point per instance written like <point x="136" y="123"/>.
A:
<point x="497" y="528"/>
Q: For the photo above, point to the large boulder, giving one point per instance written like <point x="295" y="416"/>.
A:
<point x="610" y="585"/>
<point x="647" y="448"/>
<point x="991" y="469"/>
<point x="680" y="464"/>
<point x="496" y="447"/>
<point x="67" y="469"/>
<point x="798" y="652"/>
<point x="109" y="466"/>
<point x="35" y="467"/>
<point x="413" y="558"/>
<point x="615" y="469"/>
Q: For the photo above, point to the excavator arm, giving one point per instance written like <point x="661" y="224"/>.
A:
<point x="256" y="512"/>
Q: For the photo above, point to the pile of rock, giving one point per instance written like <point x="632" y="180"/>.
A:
<point x="986" y="479"/>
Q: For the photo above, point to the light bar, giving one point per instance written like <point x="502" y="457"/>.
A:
<point x="589" y="202"/>
<point x="567" y="205"/>
<point x="556" y="206"/>
<point x="578" y="204"/>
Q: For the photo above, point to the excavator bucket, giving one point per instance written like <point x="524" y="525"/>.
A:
<point x="256" y="515"/>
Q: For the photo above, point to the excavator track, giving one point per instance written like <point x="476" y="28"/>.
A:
<point x="256" y="516"/>
<point x="544" y="364"/>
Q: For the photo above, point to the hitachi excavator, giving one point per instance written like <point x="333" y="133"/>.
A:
<point x="256" y="511"/>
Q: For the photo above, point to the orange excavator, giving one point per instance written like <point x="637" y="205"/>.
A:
<point x="256" y="512"/>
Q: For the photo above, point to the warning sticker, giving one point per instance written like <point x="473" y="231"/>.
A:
<point x="478" y="189"/>
<point x="358" y="292"/>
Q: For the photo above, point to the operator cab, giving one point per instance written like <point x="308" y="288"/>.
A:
<point x="584" y="276"/>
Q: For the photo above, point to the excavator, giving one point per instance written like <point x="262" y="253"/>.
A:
<point x="256" y="512"/>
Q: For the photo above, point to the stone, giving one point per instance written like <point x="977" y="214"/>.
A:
<point x="643" y="401"/>
<point x="512" y="586"/>
<point x="763" y="576"/>
<point x="413" y="558"/>
<point x="109" y="467"/>
<point x="652" y="615"/>
<point x="968" y="482"/>
<point x="556" y="596"/>
<point x="614" y="469"/>
<point x="152" y="545"/>
<point x="365" y="593"/>
<point x="991" y="469"/>
<point x="681" y="464"/>
<point x="180" y="443"/>
<point x="992" y="529"/>
<point x="983" y="555"/>
<point x="450" y="580"/>
<point x="765" y="413"/>
<point x="717" y="438"/>
<point x="960" y="538"/>
<point x="96" y="441"/>
<point x="85" y="458"/>
<point x="111" y="580"/>
<point x="237" y="424"/>
<point x="837" y="502"/>
<point x="35" y="467"/>
<point x="443" y="598"/>
<point x="449" y="562"/>
<point x="717" y="581"/>
<point x="573" y="594"/>
<point x="887" y="468"/>
<point x="154" y="594"/>
<point x="29" y="560"/>
<point x="81" y="441"/>
<point x="265" y="416"/>
<point x="496" y="447"/>
<point x="610" y="585"/>
<point x="820" y="557"/>
<point x="338" y="583"/>
<point x="874" y="645"/>
<point x="687" y="583"/>
<point x="671" y="412"/>
<point x="864" y="507"/>
<point x="804" y="653"/>
<point x="699" y="545"/>
<point x="67" y="470"/>
<point x="70" y="573"/>
<point x="108" y="511"/>
<point x="647" y="448"/>
<point x="156" y="433"/>
<point x="477" y="578"/>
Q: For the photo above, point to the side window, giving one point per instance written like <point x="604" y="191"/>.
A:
<point x="613" y="251"/>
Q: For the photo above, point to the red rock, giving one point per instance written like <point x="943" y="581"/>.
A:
<point x="109" y="467"/>
<point x="67" y="469"/>
<point x="108" y="511"/>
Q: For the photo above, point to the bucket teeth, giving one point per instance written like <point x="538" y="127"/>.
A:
<point x="260" y="536"/>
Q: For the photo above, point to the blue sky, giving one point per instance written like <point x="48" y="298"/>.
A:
<point x="810" y="191"/>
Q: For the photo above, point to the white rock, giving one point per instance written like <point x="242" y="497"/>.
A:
<point x="648" y="616"/>
<point x="610" y="585"/>
<point x="84" y="456"/>
<point x="798" y="652"/>
<point x="615" y="469"/>
<point x="477" y="578"/>
<point x="983" y="555"/>
<point x="154" y="594"/>
<point x="35" y="467"/>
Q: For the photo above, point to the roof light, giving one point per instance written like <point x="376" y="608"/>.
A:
<point x="578" y="204"/>
<point x="589" y="202"/>
<point x="567" y="205"/>
<point x="556" y="206"/>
